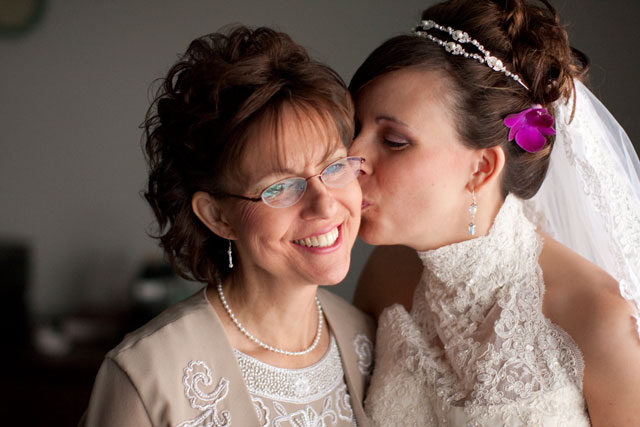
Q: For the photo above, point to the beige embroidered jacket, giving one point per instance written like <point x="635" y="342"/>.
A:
<point x="179" y="369"/>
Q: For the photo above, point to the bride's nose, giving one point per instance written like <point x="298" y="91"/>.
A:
<point x="358" y="148"/>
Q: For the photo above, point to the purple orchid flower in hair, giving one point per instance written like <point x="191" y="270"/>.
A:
<point x="529" y="127"/>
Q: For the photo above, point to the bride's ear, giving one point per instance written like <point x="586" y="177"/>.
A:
<point x="212" y="214"/>
<point x="487" y="169"/>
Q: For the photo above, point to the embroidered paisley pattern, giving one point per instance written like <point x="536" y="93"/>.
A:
<point x="306" y="417"/>
<point x="339" y="406"/>
<point x="262" y="411"/>
<point x="364" y="350"/>
<point x="475" y="349"/>
<point x="197" y="378"/>
<point x="343" y="404"/>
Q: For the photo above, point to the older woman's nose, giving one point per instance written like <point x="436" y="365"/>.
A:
<point x="319" y="200"/>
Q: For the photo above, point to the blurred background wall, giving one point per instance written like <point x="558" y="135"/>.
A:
<point x="74" y="89"/>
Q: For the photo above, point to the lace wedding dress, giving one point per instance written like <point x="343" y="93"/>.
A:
<point x="476" y="350"/>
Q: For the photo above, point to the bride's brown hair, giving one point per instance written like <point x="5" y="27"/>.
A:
<point x="529" y="39"/>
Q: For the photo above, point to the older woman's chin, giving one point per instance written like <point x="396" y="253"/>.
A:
<point x="334" y="281"/>
<point x="333" y="273"/>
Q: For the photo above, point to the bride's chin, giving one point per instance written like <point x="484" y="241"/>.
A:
<point x="370" y="235"/>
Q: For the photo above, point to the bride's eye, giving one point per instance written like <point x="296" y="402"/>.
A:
<point x="393" y="142"/>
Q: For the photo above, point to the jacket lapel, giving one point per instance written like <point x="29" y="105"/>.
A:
<point x="345" y="332"/>
<point x="238" y="399"/>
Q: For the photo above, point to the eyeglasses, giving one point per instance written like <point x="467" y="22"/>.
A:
<point x="289" y="191"/>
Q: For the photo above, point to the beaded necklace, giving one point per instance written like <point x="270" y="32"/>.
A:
<point x="267" y="346"/>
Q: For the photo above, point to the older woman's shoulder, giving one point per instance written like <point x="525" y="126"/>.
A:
<point x="186" y="333"/>
<point x="176" y="368"/>
<point x="179" y="322"/>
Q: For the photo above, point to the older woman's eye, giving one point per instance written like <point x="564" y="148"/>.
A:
<point x="275" y="190"/>
<point x="334" y="169"/>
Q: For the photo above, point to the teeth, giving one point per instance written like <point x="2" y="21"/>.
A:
<point x="321" y="241"/>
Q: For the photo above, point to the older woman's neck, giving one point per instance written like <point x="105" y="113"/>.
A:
<point x="283" y="315"/>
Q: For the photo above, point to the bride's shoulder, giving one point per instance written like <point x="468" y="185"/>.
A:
<point x="585" y="301"/>
<point x="389" y="277"/>
<point x="577" y="289"/>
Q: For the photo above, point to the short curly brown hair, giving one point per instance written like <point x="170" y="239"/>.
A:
<point x="196" y="128"/>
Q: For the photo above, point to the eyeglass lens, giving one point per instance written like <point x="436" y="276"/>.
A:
<point x="289" y="191"/>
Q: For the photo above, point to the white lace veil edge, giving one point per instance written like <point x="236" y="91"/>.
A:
<point x="590" y="199"/>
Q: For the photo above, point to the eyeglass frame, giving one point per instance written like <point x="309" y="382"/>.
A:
<point x="260" y="199"/>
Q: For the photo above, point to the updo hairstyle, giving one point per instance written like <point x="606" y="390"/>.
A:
<point x="528" y="38"/>
<point x="196" y="128"/>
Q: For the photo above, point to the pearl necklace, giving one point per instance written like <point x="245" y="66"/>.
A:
<point x="267" y="346"/>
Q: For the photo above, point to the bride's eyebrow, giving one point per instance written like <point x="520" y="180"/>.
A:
<point x="387" y="118"/>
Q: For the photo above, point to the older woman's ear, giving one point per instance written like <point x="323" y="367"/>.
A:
<point x="210" y="211"/>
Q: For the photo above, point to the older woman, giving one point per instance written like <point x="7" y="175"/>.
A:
<point x="255" y="195"/>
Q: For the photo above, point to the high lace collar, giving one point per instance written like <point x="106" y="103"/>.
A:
<point x="476" y="349"/>
<point x="511" y="241"/>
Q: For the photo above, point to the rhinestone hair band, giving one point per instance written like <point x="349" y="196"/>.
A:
<point x="456" y="48"/>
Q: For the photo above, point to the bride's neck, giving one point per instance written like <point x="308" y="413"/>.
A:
<point x="489" y="204"/>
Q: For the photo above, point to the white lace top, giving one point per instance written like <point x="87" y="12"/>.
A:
<point x="315" y="396"/>
<point x="476" y="350"/>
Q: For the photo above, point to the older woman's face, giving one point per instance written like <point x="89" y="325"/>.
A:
<point x="414" y="182"/>
<point x="269" y="240"/>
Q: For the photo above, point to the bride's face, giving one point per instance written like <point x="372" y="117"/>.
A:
<point x="415" y="177"/>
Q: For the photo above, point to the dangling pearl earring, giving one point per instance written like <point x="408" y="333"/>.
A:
<point x="473" y="208"/>
<point x="230" y="253"/>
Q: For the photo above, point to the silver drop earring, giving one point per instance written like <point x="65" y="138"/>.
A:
<point x="230" y="253"/>
<point x="473" y="208"/>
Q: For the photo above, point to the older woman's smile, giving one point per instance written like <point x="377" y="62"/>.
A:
<point x="320" y="240"/>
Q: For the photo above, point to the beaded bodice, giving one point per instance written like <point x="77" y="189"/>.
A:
<point x="475" y="348"/>
<point x="315" y="396"/>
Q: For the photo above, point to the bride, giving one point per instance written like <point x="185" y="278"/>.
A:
<point x="497" y="321"/>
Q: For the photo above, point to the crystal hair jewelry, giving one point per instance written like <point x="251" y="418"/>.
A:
<point x="529" y="127"/>
<point x="473" y="208"/>
<point x="230" y="253"/>
<point x="246" y="333"/>
<point x="455" y="47"/>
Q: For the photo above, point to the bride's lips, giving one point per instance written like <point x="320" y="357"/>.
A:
<point x="364" y="204"/>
